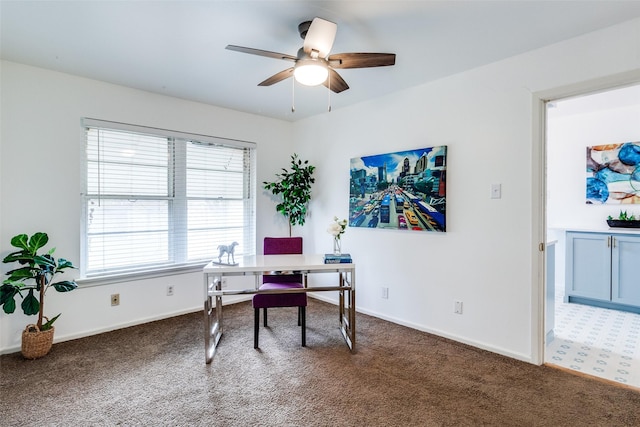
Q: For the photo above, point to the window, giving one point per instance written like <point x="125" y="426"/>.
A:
<point x="157" y="199"/>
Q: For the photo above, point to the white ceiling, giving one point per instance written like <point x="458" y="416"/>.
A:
<point x="177" y="48"/>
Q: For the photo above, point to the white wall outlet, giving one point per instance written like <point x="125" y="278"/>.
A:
<point x="385" y="292"/>
<point x="457" y="307"/>
<point x="169" y="290"/>
<point x="115" y="299"/>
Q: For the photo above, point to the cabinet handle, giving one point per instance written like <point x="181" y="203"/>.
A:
<point x="608" y="241"/>
<point x="613" y="242"/>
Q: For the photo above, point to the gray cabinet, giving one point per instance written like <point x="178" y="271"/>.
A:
<point x="588" y="271"/>
<point x="602" y="270"/>
<point x="625" y="266"/>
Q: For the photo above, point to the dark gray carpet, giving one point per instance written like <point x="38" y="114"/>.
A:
<point x="155" y="374"/>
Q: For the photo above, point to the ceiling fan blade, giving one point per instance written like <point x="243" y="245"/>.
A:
<point x="278" y="77"/>
<point x="337" y="83"/>
<point x="361" y="60"/>
<point x="260" y="52"/>
<point x="320" y="37"/>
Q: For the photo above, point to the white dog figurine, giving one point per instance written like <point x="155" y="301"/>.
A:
<point x="228" y="249"/>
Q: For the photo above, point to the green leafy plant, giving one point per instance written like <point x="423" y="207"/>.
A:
<point x="623" y="216"/>
<point x="40" y="269"/>
<point x="295" y="189"/>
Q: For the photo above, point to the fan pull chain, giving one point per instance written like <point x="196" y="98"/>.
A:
<point x="293" y="95"/>
<point x="329" y="95"/>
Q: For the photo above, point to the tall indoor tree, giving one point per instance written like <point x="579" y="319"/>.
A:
<point x="294" y="187"/>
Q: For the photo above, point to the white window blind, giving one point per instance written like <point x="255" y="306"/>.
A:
<point x="158" y="199"/>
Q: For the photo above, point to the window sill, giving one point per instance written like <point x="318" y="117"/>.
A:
<point x="138" y="275"/>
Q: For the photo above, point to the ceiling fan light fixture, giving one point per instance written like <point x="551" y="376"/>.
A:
<point x="310" y="72"/>
<point x="313" y="65"/>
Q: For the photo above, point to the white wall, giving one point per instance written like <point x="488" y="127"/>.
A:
<point x="484" y="259"/>
<point x="40" y="161"/>
<point x="484" y="116"/>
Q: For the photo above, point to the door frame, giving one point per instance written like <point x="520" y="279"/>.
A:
<point x="539" y="190"/>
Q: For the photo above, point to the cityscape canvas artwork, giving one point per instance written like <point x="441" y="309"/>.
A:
<point x="403" y="190"/>
<point x="613" y="173"/>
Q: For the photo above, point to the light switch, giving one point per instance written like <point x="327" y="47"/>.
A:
<point x="496" y="191"/>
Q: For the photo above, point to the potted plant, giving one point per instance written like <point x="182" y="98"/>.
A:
<point x="295" y="189"/>
<point x="624" y="220"/>
<point x="31" y="282"/>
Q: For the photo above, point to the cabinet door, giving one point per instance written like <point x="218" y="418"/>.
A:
<point x="625" y="269"/>
<point x="588" y="272"/>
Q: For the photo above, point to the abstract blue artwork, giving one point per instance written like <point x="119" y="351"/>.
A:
<point x="613" y="173"/>
<point x="404" y="190"/>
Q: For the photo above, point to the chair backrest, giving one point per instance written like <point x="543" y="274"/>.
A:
<point x="282" y="246"/>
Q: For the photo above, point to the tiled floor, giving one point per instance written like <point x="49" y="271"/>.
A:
<point x="596" y="341"/>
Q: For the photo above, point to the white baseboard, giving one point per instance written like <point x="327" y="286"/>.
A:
<point x="463" y="340"/>
<point x="477" y="344"/>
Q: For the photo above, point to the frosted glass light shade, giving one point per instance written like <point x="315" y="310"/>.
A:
<point x="310" y="72"/>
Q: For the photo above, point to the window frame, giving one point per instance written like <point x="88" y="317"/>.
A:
<point x="171" y="268"/>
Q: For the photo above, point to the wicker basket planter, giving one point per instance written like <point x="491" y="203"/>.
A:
<point x="36" y="343"/>
<point x="36" y="273"/>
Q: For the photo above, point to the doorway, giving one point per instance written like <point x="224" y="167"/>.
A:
<point x="594" y="341"/>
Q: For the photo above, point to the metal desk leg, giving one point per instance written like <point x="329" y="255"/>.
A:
<point x="352" y="312"/>
<point x="212" y="329"/>
<point x="341" y="299"/>
<point x="348" y="310"/>
<point x="352" y="276"/>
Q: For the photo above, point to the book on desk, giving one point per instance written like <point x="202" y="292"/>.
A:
<point x="337" y="259"/>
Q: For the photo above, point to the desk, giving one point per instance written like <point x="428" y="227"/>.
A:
<point x="276" y="264"/>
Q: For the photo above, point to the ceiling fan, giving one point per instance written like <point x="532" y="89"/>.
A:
<point x="313" y="65"/>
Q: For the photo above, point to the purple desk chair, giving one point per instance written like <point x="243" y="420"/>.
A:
<point x="280" y="246"/>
